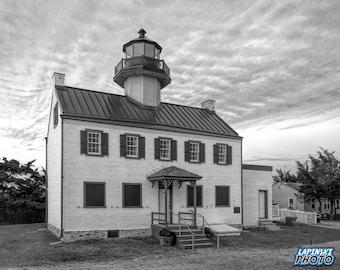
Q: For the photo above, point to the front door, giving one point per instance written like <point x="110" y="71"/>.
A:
<point x="161" y="201"/>
<point x="263" y="205"/>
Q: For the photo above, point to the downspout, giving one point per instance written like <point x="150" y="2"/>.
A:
<point x="242" y="221"/>
<point x="62" y="182"/>
<point x="46" y="184"/>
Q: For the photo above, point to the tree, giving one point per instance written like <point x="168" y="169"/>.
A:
<point x="22" y="192"/>
<point x="284" y="176"/>
<point x="320" y="176"/>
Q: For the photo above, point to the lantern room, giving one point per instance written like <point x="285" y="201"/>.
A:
<point x="142" y="73"/>
<point x="142" y="46"/>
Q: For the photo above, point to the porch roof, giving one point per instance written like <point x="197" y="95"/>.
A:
<point x="173" y="173"/>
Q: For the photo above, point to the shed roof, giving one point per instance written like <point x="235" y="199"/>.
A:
<point x="174" y="173"/>
<point x="99" y="106"/>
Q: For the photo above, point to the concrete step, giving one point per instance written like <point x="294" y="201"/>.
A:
<point x="265" y="221"/>
<point x="189" y="241"/>
<point x="186" y="232"/>
<point x="189" y="236"/>
<point x="197" y="245"/>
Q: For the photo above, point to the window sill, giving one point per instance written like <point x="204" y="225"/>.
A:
<point x="95" y="155"/>
<point x="132" y="207"/>
<point x="91" y="207"/>
<point x="132" y="157"/>
<point x="222" y="205"/>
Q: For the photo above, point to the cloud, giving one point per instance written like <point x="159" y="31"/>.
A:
<point x="267" y="63"/>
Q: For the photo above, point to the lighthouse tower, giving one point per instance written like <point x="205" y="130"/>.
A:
<point x="142" y="73"/>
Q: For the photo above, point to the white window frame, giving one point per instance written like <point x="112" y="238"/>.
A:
<point x="132" y="149"/>
<point x="165" y="149"/>
<point x="337" y="203"/>
<point x="293" y="206"/>
<point x="194" y="153"/>
<point x="222" y="155"/>
<point x="313" y="203"/>
<point x="94" y="143"/>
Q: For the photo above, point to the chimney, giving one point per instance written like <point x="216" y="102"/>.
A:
<point x="209" y="105"/>
<point x="59" y="79"/>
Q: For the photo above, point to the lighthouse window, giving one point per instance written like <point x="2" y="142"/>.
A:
<point x="157" y="52"/>
<point x="149" y="50"/>
<point x="129" y="51"/>
<point x="138" y="49"/>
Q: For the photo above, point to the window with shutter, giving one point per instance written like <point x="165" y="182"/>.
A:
<point x="94" y="142"/>
<point x="194" y="152"/>
<point x="94" y="194"/>
<point x="222" y="195"/>
<point x="222" y="154"/>
<point x="132" y="146"/>
<point x="132" y="195"/>
<point x="190" y="196"/>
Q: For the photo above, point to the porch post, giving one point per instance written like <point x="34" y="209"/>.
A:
<point x="166" y="202"/>
<point x="195" y="202"/>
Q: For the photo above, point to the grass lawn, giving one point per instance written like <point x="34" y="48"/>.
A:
<point x="27" y="246"/>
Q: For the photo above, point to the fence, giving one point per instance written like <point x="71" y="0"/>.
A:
<point x="301" y="216"/>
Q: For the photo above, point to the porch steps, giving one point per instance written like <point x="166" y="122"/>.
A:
<point x="269" y="225"/>
<point x="184" y="240"/>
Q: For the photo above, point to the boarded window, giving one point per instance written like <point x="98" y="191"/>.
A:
<point x="222" y="195"/>
<point x="132" y="195"/>
<point x="94" y="194"/>
<point x="199" y="196"/>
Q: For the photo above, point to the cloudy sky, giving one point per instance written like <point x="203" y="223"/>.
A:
<point x="273" y="67"/>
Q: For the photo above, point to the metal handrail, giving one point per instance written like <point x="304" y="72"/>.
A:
<point x="158" y="219"/>
<point x="192" y="233"/>
<point x="204" y="221"/>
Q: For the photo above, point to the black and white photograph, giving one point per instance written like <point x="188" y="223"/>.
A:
<point x="179" y="134"/>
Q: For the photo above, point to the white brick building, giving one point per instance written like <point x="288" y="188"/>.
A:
<point x="113" y="160"/>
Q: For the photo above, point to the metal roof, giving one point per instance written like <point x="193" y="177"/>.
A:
<point x="99" y="106"/>
<point x="174" y="173"/>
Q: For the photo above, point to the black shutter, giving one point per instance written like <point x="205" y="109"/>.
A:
<point x="141" y="149"/>
<point x="122" y="145"/>
<point x="215" y="153"/>
<point x="202" y="152"/>
<point x="173" y="150"/>
<point x="199" y="197"/>
<point x="105" y="144"/>
<point x="187" y="151"/>
<point x="157" y="150"/>
<point x="83" y="142"/>
<point x="229" y="155"/>
<point x="190" y="196"/>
